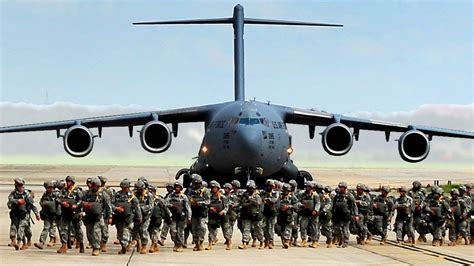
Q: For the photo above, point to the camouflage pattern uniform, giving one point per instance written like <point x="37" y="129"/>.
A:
<point x="95" y="204"/>
<point x="218" y="209"/>
<point x="325" y="215"/>
<point x="287" y="205"/>
<point x="166" y="225"/>
<point x="104" y="230"/>
<point x="296" y="224"/>
<point x="140" y="230"/>
<point x="464" y="195"/>
<point x="20" y="202"/>
<point x="49" y="213"/>
<point x="159" y="213"/>
<point x="250" y="213"/>
<point x="178" y="204"/>
<point x="309" y="212"/>
<point x="362" y="201"/>
<point x="382" y="210"/>
<point x="233" y="213"/>
<point x="344" y="209"/>
<point x="269" y="199"/>
<point x="126" y="210"/>
<point x="418" y="196"/>
<point x="404" y="220"/>
<point x="70" y="200"/>
<point x="457" y="218"/>
<point x="438" y="211"/>
<point x="199" y="199"/>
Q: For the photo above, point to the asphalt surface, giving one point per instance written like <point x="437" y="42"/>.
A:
<point x="371" y="254"/>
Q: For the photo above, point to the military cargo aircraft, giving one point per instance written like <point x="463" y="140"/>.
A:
<point x="243" y="139"/>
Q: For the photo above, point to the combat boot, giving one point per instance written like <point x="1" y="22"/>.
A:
<point x="52" y="242"/>
<point x="314" y="244"/>
<point x="123" y="250"/>
<point x="89" y="246"/>
<point x="28" y="244"/>
<point x="286" y="243"/>
<point x="81" y="247"/>
<point x="116" y="242"/>
<point x="265" y="244"/>
<point x="179" y="248"/>
<point x="103" y="246"/>
<point x="63" y="248"/>
<point x="369" y="238"/>
<point x="78" y="244"/>
<point x="304" y="243"/>
<point x="422" y="238"/>
<point x="15" y="244"/>
<point x="39" y="245"/>
<point x="161" y="242"/>
<point x="24" y="246"/>
<point x="254" y="243"/>
<point x="295" y="243"/>
<point x="261" y="245"/>
<point x="95" y="252"/>
<point x="382" y="242"/>
<point x="138" y="245"/>
<point x="143" y="249"/>
<point x="209" y="247"/>
<point x="452" y="243"/>
<point x="196" y="246"/>
<point x="330" y="245"/>
<point x="459" y="239"/>
<point x="152" y="248"/>
<point x="201" y="246"/>
<point x="270" y="244"/>
<point x="156" y="248"/>
<point x="229" y="245"/>
<point x="243" y="245"/>
<point x="466" y="240"/>
<point x="435" y="243"/>
<point x="441" y="242"/>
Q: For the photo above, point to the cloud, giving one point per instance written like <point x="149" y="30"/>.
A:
<point x="116" y="143"/>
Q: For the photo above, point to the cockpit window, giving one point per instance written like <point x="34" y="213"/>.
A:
<point x="249" y="121"/>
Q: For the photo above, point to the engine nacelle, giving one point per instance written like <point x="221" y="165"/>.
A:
<point x="155" y="137"/>
<point x="413" y="146"/>
<point x="337" y="139"/>
<point x="78" y="141"/>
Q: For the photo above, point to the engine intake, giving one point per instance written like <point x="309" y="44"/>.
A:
<point x="78" y="141"/>
<point x="337" y="139"/>
<point x="155" y="137"/>
<point x="413" y="146"/>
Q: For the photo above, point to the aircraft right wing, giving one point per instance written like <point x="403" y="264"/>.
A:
<point x="155" y="135"/>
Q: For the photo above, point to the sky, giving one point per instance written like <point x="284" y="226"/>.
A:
<point x="403" y="61"/>
<point x="389" y="56"/>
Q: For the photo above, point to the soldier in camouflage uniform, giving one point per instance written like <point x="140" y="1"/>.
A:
<point x="218" y="209"/>
<point x="325" y="215"/>
<point x="233" y="212"/>
<point x="404" y="220"/>
<point x="159" y="213"/>
<point x="418" y="196"/>
<point x="382" y="210"/>
<point x="105" y="226"/>
<point x="362" y="201"/>
<point x="438" y="211"/>
<point x="237" y="193"/>
<point x="126" y="210"/>
<point x="178" y="204"/>
<point x="166" y="225"/>
<point x="199" y="200"/>
<point x="296" y="224"/>
<point x="269" y="198"/>
<point x="309" y="206"/>
<point x="140" y="230"/>
<point x="457" y="218"/>
<point x="70" y="200"/>
<point x="344" y="209"/>
<point x="95" y="203"/>
<point x="287" y="204"/>
<point x="251" y="215"/>
<point x="48" y="213"/>
<point x="466" y="197"/>
<point x="20" y="203"/>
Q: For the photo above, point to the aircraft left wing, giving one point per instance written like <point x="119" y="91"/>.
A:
<point x="337" y="138"/>
<point x="155" y="135"/>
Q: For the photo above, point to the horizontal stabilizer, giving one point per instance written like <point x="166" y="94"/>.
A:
<point x="286" y="22"/>
<point x="188" y="21"/>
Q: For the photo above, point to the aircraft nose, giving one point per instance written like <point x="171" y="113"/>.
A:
<point x="249" y="143"/>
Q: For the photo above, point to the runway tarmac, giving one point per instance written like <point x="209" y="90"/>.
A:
<point x="372" y="254"/>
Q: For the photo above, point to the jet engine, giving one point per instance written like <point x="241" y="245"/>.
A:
<point x="155" y="137"/>
<point x="78" y="141"/>
<point x="413" y="146"/>
<point x="337" y="139"/>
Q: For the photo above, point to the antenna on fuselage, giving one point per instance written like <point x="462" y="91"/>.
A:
<point x="238" y="20"/>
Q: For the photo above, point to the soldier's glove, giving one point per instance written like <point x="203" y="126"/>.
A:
<point x="222" y="213"/>
<point x="314" y="213"/>
<point x="109" y="221"/>
<point x="213" y="209"/>
<point x="21" y="202"/>
<point x="65" y="204"/>
<point x="356" y="218"/>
